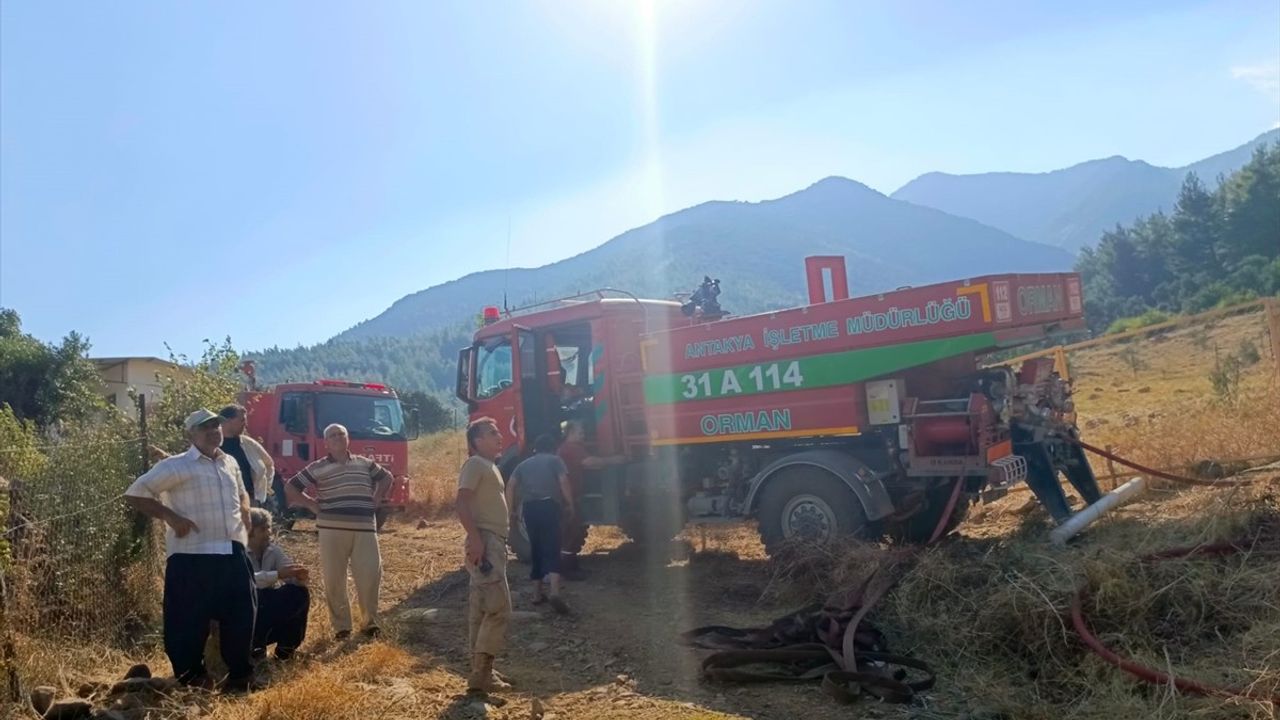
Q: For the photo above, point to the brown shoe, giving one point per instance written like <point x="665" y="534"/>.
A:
<point x="481" y="696"/>
<point x="559" y="605"/>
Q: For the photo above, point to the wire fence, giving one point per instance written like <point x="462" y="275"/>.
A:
<point x="82" y="573"/>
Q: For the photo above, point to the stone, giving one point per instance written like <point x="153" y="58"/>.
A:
<point x="422" y="524"/>
<point x="41" y="698"/>
<point x="421" y="615"/>
<point x="138" y="671"/>
<point x="129" y="701"/>
<point x="536" y="711"/>
<point x="538" y="646"/>
<point x="69" y="710"/>
<point x="89" y="689"/>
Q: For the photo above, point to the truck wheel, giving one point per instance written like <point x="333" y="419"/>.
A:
<point x="574" y="538"/>
<point x="518" y="541"/>
<point x="808" y="504"/>
<point x="651" y="529"/>
<point x="919" y="527"/>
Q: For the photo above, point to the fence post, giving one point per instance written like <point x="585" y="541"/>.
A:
<point x="142" y="425"/>
<point x="1111" y="469"/>
<point x="1273" y="329"/>
<point x="8" y="656"/>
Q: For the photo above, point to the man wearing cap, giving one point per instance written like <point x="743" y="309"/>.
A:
<point x="256" y="466"/>
<point x="201" y="497"/>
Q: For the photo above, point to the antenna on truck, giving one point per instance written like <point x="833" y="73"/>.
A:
<point x="506" y="274"/>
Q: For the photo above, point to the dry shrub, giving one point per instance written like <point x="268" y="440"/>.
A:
<point x="991" y="615"/>
<point x="1194" y="430"/>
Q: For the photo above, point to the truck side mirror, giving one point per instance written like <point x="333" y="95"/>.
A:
<point x="462" y="384"/>
<point x="414" y="426"/>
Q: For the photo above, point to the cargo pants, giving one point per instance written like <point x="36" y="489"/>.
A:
<point x="489" y="599"/>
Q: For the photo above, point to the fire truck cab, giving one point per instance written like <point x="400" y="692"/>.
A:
<point x="290" y="420"/>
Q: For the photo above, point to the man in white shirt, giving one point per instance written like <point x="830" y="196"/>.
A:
<point x="201" y="497"/>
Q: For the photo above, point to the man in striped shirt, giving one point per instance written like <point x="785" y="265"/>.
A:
<point x="348" y="490"/>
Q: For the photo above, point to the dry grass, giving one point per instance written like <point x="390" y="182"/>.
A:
<point x="1166" y="413"/>
<point x="433" y="467"/>
<point x="986" y="608"/>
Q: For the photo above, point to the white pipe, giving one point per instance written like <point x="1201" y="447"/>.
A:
<point x="1083" y="519"/>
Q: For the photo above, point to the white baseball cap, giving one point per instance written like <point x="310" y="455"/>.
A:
<point x="200" y="417"/>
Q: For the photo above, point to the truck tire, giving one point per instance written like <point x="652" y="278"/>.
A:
<point x="653" y="516"/>
<point x="518" y="540"/>
<point x="808" y="503"/>
<point x="651" y="530"/>
<point x="575" y="538"/>
<point x="919" y="527"/>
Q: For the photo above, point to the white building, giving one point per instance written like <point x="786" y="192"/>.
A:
<point x="119" y="374"/>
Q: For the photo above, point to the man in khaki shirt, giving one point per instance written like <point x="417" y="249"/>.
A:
<point x="482" y="511"/>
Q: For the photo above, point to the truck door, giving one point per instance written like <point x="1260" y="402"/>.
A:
<point x="530" y="388"/>
<point x="495" y="386"/>
<point x="295" y="434"/>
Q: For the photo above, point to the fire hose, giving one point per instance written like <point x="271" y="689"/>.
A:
<point x="1156" y="473"/>
<point x="1143" y="672"/>
<point x="1150" y="674"/>
<point x="828" y="643"/>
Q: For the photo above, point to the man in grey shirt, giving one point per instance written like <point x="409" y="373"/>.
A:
<point x="540" y="485"/>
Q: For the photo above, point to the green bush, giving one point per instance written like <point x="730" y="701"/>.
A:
<point x="1225" y="378"/>
<point x="1146" y="319"/>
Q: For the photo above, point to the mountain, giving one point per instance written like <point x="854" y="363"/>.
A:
<point x="1072" y="207"/>
<point x="757" y="249"/>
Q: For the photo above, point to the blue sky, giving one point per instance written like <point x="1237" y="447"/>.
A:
<point x="278" y="171"/>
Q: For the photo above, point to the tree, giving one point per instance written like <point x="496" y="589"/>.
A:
<point x="1218" y="248"/>
<point x="433" y="415"/>
<point x="1251" y="206"/>
<point x="211" y="382"/>
<point x="1197" y="226"/>
<point x="45" y="383"/>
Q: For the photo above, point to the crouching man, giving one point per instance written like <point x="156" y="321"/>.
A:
<point x="283" y="598"/>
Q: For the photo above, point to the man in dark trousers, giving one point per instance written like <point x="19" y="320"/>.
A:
<point x="283" y="599"/>
<point x="539" y="486"/>
<point x="201" y="497"/>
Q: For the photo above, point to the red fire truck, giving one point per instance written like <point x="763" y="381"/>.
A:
<point x="290" y="420"/>
<point x="867" y="416"/>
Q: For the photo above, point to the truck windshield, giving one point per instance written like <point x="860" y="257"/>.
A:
<point x="366" y="417"/>
<point x="493" y="367"/>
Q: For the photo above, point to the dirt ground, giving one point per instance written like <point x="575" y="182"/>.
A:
<point x="617" y="655"/>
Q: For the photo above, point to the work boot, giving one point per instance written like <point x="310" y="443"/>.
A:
<point x="481" y="681"/>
